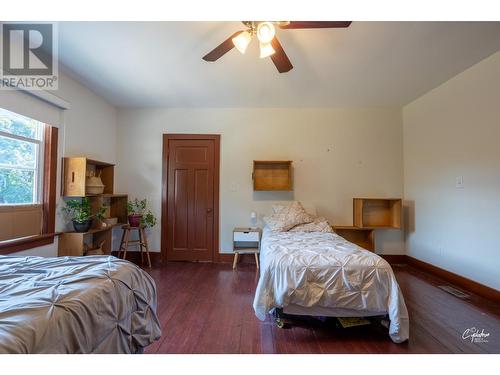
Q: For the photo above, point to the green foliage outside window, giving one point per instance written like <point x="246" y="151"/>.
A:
<point x="18" y="158"/>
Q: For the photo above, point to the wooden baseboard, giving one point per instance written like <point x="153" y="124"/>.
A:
<point x="219" y="258"/>
<point x="229" y="257"/>
<point x="452" y="278"/>
<point x="224" y="258"/>
<point x="394" y="259"/>
<point x="460" y="281"/>
<point x="135" y="257"/>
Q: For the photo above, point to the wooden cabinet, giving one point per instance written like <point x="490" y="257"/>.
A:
<point x="360" y="236"/>
<point x="377" y="213"/>
<point x="272" y="175"/>
<point x="75" y="171"/>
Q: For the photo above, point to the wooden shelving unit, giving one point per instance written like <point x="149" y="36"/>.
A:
<point x="360" y="236"/>
<point x="75" y="171"/>
<point x="117" y="206"/>
<point x="377" y="212"/>
<point x="370" y="214"/>
<point x="272" y="175"/>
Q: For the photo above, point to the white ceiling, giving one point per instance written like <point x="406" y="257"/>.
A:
<point x="144" y="64"/>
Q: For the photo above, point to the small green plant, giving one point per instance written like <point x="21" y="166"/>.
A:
<point x="148" y="220"/>
<point x="101" y="213"/>
<point x="138" y="207"/>
<point x="80" y="210"/>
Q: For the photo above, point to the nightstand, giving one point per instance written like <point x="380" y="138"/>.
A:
<point x="246" y="241"/>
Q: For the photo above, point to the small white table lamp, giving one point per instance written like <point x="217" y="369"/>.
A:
<point x="253" y="219"/>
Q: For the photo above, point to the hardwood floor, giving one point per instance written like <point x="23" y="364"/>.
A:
<point x="207" y="308"/>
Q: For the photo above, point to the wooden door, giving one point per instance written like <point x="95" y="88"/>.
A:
<point x="191" y="180"/>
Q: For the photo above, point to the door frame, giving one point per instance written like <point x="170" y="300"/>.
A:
<point x="164" y="189"/>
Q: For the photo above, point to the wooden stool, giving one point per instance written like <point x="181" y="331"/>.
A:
<point x="142" y="242"/>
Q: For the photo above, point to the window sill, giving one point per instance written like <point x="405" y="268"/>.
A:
<point x="26" y="243"/>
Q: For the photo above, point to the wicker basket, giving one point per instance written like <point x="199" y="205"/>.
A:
<point x="94" y="185"/>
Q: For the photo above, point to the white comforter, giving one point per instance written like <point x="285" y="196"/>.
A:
<point x="324" y="269"/>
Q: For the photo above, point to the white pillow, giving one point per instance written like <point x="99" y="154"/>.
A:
<point x="288" y="217"/>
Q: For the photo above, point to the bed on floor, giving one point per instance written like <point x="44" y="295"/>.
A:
<point x="309" y="270"/>
<point x="93" y="304"/>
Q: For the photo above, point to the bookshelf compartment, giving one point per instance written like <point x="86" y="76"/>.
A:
<point x="377" y="213"/>
<point x="272" y="175"/>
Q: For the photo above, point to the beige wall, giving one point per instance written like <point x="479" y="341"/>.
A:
<point x="452" y="131"/>
<point x="87" y="128"/>
<point x="337" y="154"/>
<point x="90" y="123"/>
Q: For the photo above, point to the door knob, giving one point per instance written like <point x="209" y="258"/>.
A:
<point x="209" y="210"/>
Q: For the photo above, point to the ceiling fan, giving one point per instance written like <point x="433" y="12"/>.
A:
<point x="269" y="44"/>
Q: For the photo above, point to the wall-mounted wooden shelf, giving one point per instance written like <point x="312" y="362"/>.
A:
<point x="75" y="171"/>
<point x="360" y="236"/>
<point x="272" y="175"/>
<point x="377" y="212"/>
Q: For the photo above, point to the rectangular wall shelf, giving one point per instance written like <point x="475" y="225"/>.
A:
<point x="377" y="213"/>
<point x="75" y="171"/>
<point x="272" y="175"/>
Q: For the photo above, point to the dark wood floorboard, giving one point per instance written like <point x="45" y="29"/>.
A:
<point x="207" y="308"/>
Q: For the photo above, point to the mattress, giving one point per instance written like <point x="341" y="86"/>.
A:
<point x="324" y="271"/>
<point x="93" y="304"/>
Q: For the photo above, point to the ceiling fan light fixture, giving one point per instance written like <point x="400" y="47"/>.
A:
<point x="266" y="49"/>
<point x="265" y="32"/>
<point x="242" y="40"/>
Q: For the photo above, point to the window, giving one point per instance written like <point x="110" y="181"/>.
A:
<point x="28" y="168"/>
<point x="21" y="159"/>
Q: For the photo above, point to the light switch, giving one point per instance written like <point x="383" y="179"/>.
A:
<point x="459" y="182"/>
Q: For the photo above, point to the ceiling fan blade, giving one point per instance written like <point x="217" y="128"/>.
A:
<point x="315" y="24"/>
<point x="221" y="49"/>
<point x="279" y="57"/>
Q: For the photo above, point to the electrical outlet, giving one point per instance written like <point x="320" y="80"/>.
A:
<point x="459" y="182"/>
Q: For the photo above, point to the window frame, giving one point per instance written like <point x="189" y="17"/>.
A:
<point x="48" y="198"/>
<point x="39" y="165"/>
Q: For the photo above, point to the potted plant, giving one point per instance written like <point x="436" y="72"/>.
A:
<point x="80" y="212"/>
<point x="139" y="214"/>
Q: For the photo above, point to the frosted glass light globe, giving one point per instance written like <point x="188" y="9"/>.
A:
<point x="265" y="32"/>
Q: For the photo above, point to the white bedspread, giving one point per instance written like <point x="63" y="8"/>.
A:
<point x="324" y="269"/>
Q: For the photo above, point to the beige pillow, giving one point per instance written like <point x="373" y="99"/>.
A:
<point x="288" y="217"/>
<point x="311" y="210"/>
<point x="320" y="224"/>
<point x="277" y="208"/>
